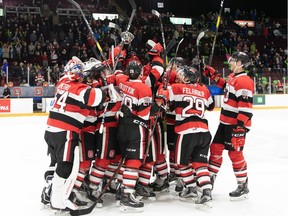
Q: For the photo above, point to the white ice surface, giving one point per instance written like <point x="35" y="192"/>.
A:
<point x="23" y="163"/>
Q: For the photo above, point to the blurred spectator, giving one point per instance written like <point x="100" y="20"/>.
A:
<point x="6" y="91"/>
<point x="4" y="71"/>
<point x="39" y="79"/>
<point x="24" y="83"/>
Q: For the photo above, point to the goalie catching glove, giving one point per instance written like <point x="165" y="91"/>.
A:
<point x="238" y="137"/>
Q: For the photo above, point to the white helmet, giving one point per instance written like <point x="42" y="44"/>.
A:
<point x="92" y="62"/>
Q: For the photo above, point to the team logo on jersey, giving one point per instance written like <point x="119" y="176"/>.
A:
<point x="111" y="153"/>
<point x="90" y="154"/>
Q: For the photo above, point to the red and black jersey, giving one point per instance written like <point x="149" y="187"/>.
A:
<point x="89" y="124"/>
<point x="110" y="114"/>
<point x="238" y="100"/>
<point x="190" y="102"/>
<point x="138" y="97"/>
<point x="72" y="105"/>
<point x="153" y="71"/>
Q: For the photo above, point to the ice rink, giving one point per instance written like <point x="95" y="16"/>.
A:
<point x="24" y="161"/>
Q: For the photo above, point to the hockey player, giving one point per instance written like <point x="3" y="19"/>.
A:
<point x="171" y="77"/>
<point x="133" y="132"/>
<point x="107" y="147"/>
<point x="190" y="101"/>
<point x="153" y="71"/>
<point x="72" y="104"/>
<point x="87" y="136"/>
<point x="235" y="121"/>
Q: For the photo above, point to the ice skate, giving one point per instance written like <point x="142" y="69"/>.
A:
<point x="212" y="180"/>
<point x="172" y="178"/>
<point x="93" y="195"/>
<point x="179" y="185"/>
<point x="241" y="192"/>
<point x="145" y="193"/>
<point x="129" y="203"/>
<point x="46" y="193"/>
<point x="205" y="201"/>
<point x="161" y="185"/>
<point x="189" y="194"/>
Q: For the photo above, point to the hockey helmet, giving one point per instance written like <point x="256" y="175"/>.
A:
<point x="176" y="61"/>
<point x="242" y="57"/>
<point x="88" y="65"/>
<point x="188" y="74"/>
<point x="134" y="69"/>
<point x="154" y="48"/>
<point x="74" y="69"/>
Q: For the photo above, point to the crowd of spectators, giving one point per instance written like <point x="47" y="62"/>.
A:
<point x="42" y="45"/>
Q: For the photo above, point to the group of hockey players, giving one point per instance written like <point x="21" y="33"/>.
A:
<point x="113" y="120"/>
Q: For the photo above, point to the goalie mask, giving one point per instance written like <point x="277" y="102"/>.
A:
<point x="240" y="56"/>
<point x="154" y="48"/>
<point x="134" y="69"/>
<point x="74" y="69"/>
<point x="188" y="75"/>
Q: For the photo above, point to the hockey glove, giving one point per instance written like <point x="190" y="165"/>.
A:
<point x="162" y="96"/>
<point x="238" y="137"/>
<point x="210" y="72"/>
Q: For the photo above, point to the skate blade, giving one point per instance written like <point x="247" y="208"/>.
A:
<point x="118" y="203"/>
<point x="243" y="197"/>
<point x="45" y="206"/>
<point x="60" y="212"/>
<point x="188" y="199"/>
<point x="166" y="190"/>
<point x="206" y="205"/>
<point x="145" y="199"/>
<point x="99" y="205"/>
<point x="130" y="209"/>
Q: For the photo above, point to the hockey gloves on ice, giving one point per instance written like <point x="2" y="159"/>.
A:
<point x="238" y="137"/>
<point x="210" y="72"/>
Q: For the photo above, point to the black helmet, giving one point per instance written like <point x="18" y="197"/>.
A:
<point x="134" y="69"/>
<point x="241" y="56"/>
<point x="189" y="74"/>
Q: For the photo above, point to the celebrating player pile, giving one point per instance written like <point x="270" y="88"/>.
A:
<point x="108" y="131"/>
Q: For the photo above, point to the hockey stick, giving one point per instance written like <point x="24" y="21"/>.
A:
<point x="170" y="71"/>
<point x="216" y="32"/>
<point x="90" y="30"/>
<point x="121" y="162"/>
<point x="199" y="37"/>
<point x="159" y="110"/>
<point x="133" y="5"/>
<point x="114" y="25"/>
<point x="170" y="45"/>
<point x="156" y="13"/>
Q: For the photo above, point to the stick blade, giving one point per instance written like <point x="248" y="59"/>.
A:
<point x="155" y="12"/>
<point x="170" y="45"/>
